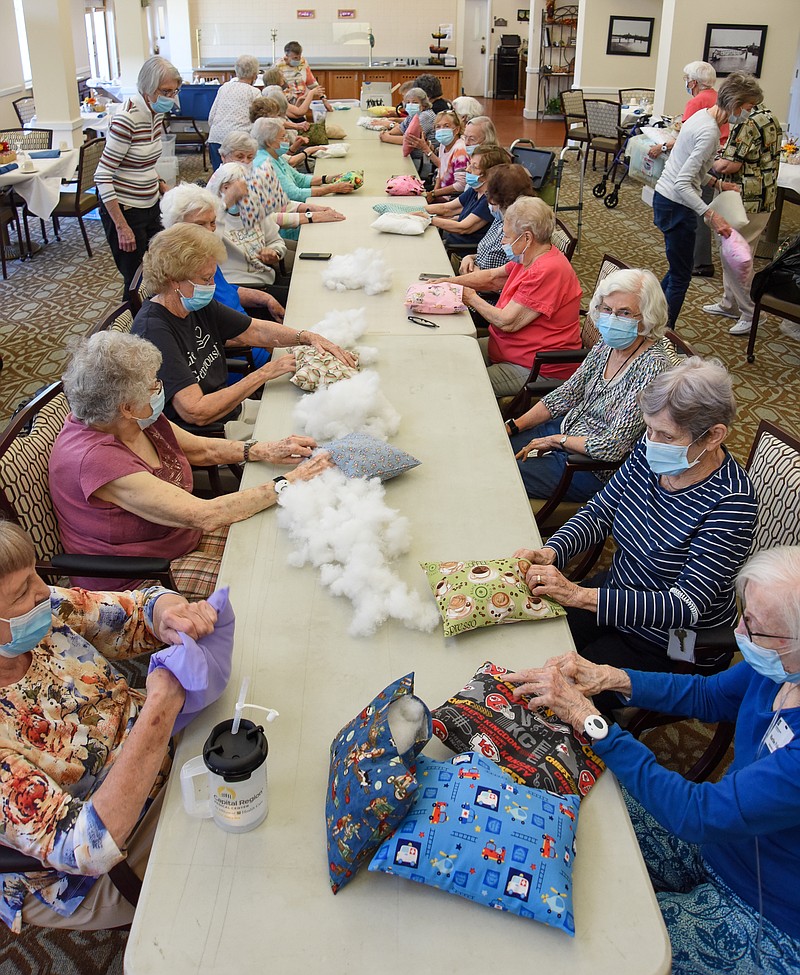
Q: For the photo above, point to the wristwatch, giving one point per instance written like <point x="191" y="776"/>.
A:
<point x="281" y="483"/>
<point x="596" y="727"/>
<point x="310" y="216"/>
<point x="664" y="147"/>
<point x="513" y="429"/>
<point x="248" y="446"/>
<point x="562" y="441"/>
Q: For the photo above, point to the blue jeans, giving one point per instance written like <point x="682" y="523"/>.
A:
<point x="678" y="224"/>
<point x="214" y="156"/>
<point x="541" y="475"/>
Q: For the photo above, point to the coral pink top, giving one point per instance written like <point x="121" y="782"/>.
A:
<point x="706" y="99"/>
<point x="84" y="460"/>
<point x="549" y="286"/>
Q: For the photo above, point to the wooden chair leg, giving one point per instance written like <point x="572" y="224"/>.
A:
<point x="85" y="236"/>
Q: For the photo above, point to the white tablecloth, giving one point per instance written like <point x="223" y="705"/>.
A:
<point x="789" y="177"/>
<point x="41" y="189"/>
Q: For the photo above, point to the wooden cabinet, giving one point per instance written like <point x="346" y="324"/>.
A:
<point x="343" y="84"/>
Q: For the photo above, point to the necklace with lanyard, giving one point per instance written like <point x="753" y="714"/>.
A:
<point x="600" y="379"/>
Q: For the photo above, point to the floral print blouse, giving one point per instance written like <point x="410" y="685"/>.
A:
<point x="61" y="727"/>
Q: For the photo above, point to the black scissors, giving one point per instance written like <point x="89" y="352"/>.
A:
<point x="422" y="321"/>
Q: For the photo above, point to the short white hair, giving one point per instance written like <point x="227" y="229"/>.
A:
<point x="184" y="199"/>
<point x="226" y="173"/>
<point x="266" y="130"/>
<point x="275" y="92"/>
<point x="645" y="285"/>
<point x="246" y="66"/>
<point x="697" y="394"/>
<point x="529" y="213"/>
<point x="702" y="72"/>
<point x="237" y="141"/>
<point x="777" y="570"/>
<point x="154" y="73"/>
<point x="467" y="107"/>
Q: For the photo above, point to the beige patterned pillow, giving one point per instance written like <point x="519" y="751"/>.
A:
<point x="315" y="368"/>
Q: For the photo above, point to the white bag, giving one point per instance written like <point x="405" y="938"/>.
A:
<point x="408" y="224"/>
<point x="375" y="93"/>
<point x="333" y="150"/>
<point x="730" y="207"/>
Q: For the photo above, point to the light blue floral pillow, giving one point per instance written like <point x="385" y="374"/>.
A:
<point x="360" y="455"/>
<point x="473" y="831"/>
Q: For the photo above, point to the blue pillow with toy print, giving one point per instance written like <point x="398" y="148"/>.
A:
<point x="473" y="831"/>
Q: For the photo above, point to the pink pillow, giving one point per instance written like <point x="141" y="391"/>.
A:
<point x="435" y="299"/>
<point x="404" y="186"/>
<point x="736" y="252"/>
<point x="414" y="129"/>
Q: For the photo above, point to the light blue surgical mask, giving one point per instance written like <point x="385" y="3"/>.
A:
<point x="164" y="104"/>
<point x="509" y="252"/>
<point x="295" y="62"/>
<point x="471" y="149"/>
<point x="617" y="332"/>
<point x="28" y="630"/>
<point x="157" y="401"/>
<point x="670" y="458"/>
<point x="741" y="117"/>
<point x="473" y="179"/>
<point x="688" y="87"/>
<point x="233" y="210"/>
<point x="444" y="136"/>
<point x="494" y="210"/>
<point x="412" y="108"/>
<point x="201" y="296"/>
<point x="763" y="661"/>
<point x="283" y="148"/>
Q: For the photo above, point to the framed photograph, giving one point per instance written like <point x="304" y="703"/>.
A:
<point x="306" y="14"/>
<point x="630" y="36"/>
<point x="349" y="14"/>
<point x="523" y="16"/>
<point x="735" y="47"/>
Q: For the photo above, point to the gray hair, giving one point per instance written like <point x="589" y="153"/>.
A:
<point x="430" y="84"/>
<point x="184" y="199"/>
<point x="533" y="215"/>
<point x="266" y="130"/>
<point x="108" y="370"/>
<point x="16" y="549"/>
<point x="467" y="107"/>
<point x="224" y="174"/>
<point x="701" y="72"/>
<point x="421" y="95"/>
<point x="697" y="394"/>
<point x="737" y="89"/>
<point x="246" y="66"/>
<point x="777" y="570"/>
<point x="237" y="141"/>
<point x="293" y="47"/>
<point x="645" y="285"/>
<point x="154" y="72"/>
<point x="487" y="125"/>
<point x="276" y="93"/>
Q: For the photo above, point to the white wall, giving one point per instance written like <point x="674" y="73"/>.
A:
<point x="599" y="72"/>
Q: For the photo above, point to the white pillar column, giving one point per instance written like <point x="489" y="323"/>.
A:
<point x="532" y="73"/>
<point x="48" y="24"/>
<point x="133" y="41"/>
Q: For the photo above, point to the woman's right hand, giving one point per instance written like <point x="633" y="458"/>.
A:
<point x="467" y="265"/>
<point x="341" y="187"/>
<point x="590" y="678"/>
<point x="311" y="468"/>
<point x="278" y="367"/>
<point x="538" y="556"/>
<point x="291" y="450"/>
<point x="126" y="237"/>
<point x="328" y="215"/>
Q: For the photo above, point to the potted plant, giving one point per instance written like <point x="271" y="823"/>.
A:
<point x="552" y="110"/>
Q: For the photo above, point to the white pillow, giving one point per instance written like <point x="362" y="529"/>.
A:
<point x="730" y="207"/>
<point x="333" y="150"/>
<point x="409" y="224"/>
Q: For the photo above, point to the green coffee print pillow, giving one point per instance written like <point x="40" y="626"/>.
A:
<point x="473" y="594"/>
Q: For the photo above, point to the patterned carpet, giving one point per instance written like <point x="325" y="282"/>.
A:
<point x="62" y="292"/>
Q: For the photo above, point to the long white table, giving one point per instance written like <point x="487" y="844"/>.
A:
<point x="216" y="903"/>
<point x="309" y="299"/>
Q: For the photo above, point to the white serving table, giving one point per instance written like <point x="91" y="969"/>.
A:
<point x="309" y="299"/>
<point x="41" y="188"/>
<point x="218" y="903"/>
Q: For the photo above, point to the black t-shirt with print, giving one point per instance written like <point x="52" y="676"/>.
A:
<point x="192" y="348"/>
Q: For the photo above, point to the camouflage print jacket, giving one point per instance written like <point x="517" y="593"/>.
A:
<point x="756" y="144"/>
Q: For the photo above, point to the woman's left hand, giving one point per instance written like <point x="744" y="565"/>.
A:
<point x="194" y="619"/>
<point x="324" y="345"/>
<point x="547" y="580"/>
<point x="549" y="688"/>
<point x="268" y="256"/>
<point x="539" y="446"/>
<point x="275" y="308"/>
<point x="468" y="296"/>
<point x="291" y="450"/>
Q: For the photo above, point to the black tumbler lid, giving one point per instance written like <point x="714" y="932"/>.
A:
<point x="235" y="757"/>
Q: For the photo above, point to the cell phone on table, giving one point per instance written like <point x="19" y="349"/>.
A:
<point x="314" y="256"/>
<point x="431" y="276"/>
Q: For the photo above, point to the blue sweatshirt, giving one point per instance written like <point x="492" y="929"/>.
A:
<point x="228" y="294"/>
<point x="759" y="795"/>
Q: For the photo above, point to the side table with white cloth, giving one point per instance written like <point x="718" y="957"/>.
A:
<point x="218" y="903"/>
<point x="788" y="192"/>
<point x="41" y="188"/>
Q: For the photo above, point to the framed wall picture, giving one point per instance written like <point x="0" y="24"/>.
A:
<point x="735" y="47"/>
<point x="348" y="14"/>
<point x="306" y="14"/>
<point x="523" y="16"/>
<point x="630" y="36"/>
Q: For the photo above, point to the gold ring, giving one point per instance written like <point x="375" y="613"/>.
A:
<point x="538" y="580"/>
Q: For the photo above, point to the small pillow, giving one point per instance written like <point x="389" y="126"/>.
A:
<point x="379" y="111"/>
<point x="405" y="185"/>
<point x="435" y="299"/>
<point x="473" y="594"/>
<point x="738" y="257"/>
<point x="730" y="207"/>
<point x="316" y="368"/>
<point x="367" y="122"/>
<point x="360" y="455"/>
<point x="353" y="176"/>
<point x="533" y="746"/>
<point x="397" y="207"/>
<point x="372" y="776"/>
<point x="334" y="131"/>
<point x="472" y="831"/>
<point x="406" y="224"/>
<point x="317" y="134"/>
<point x="202" y="668"/>
<point x="336" y="151"/>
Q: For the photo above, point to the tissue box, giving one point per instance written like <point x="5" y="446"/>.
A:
<point x="375" y="93"/>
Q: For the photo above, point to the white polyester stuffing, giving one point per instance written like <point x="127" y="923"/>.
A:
<point x="345" y="328"/>
<point x="343" y="527"/>
<point x="364" y="268"/>
<point x="354" y="405"/>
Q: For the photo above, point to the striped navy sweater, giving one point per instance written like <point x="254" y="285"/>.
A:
<point x="677" y="551"/>
<point x="127" y="169"/>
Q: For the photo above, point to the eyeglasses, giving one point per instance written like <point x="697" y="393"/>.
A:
<point x="741" y="607"/>
<point x="157" y="386"/>
<point x="167" y="92"/>
<point x="422" y="321"/>
<point x="208" y="281"/>
<point x="622" y="313"/>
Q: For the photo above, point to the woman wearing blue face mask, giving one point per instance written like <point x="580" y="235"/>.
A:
<point x="682" y="513"/>
<point x="127" y="182"/>
<point x="596" y="411"/>
<point x="465" y="219"/>
<point x="724" y="857"/>
<point x="190" y="329"/>
<point x="121" y="475"/>
<point x="448" y="155"/>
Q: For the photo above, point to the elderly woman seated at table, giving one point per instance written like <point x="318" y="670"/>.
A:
<point x="539" y="300"/>
<point x="120" y="472"/>
<point x="596" y="411"/>
<point x="479" y="131"/>
<point x="190" y="329"/>
<point x="85" y="756"/>
<point x="682" y="513"/>
<point x="270" y="134"/>
<point x="274" y="105"/>
<point x="419" y="120"/>
<point x="723" y="857"/>
<point x="466" y="219"/>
